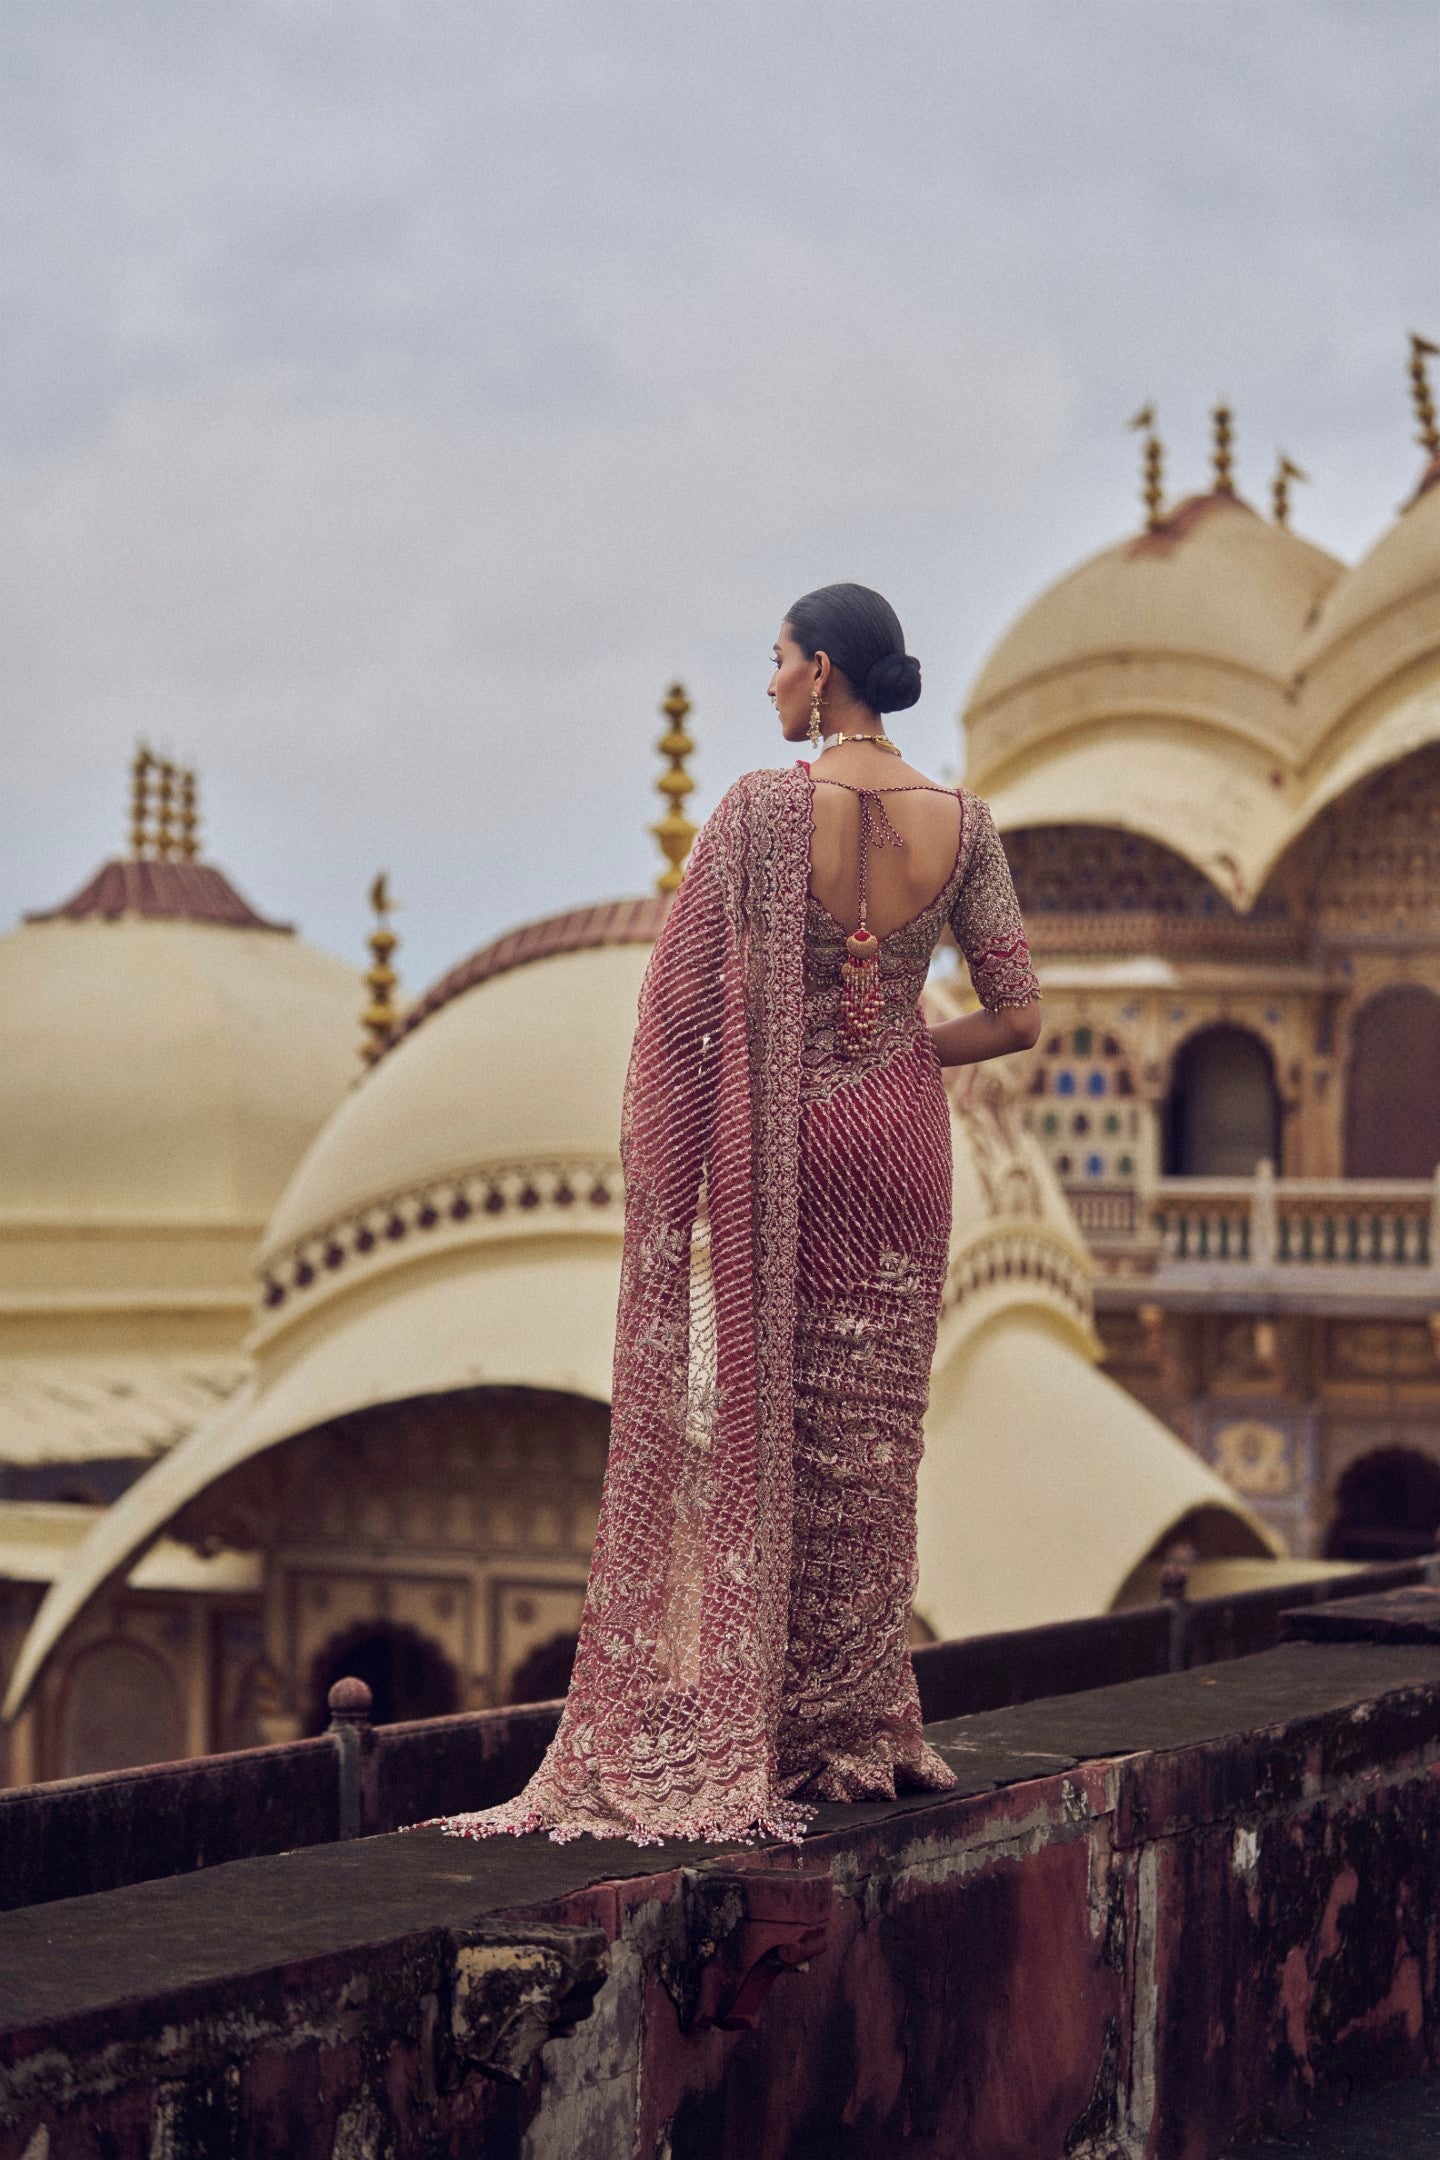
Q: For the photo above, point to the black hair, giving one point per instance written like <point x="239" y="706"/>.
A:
<point x="861" y="633"/>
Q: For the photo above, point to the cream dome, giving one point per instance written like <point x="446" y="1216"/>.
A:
<point x="520" y="1064"/>
<point x="1379" y="618"/>
<point x="164" y="1071"/>
<point x="1201" y="615"/>
<point x="169" y="1056"/>
<point x="1152" y="689"/>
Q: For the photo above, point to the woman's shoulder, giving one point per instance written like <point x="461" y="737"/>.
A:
<point x="766" y="784"/>
<point x="977" y="810"/>
<point x="765" y="777"/>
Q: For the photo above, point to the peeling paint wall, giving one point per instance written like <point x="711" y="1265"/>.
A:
<point x="1130" y="1958"/>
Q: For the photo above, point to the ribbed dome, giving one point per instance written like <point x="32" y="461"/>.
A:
<point x="1379" y="616"/>
<point x="523" y="1066"/>
<point x="1199" y="618"/>
<point x="169" y="1055"/>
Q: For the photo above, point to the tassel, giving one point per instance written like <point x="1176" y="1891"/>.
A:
<point x="859" y="990"/>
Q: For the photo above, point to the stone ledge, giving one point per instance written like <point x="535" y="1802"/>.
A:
<point x="1115" y="1872"/>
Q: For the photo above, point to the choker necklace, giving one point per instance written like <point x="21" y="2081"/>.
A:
<point x="881" y="742"/>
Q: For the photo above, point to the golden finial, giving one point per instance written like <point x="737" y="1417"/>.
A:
<point x="1422" y="350"/>
<point x="1223" y="456"/>
<point x="380" y="1015"/>
<point x="189" y="815"/>
<point x="164" y="812"/>
<point x="1285" y="472"/>
<point x="140" y="768"/>
<point x="1152" y="492"/>
<point x="674" y="831"/>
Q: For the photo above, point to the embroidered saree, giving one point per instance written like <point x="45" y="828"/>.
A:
<point x="743" y="1647"/>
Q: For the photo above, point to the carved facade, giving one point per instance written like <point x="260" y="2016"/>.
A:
<point x="1214" y="757"/>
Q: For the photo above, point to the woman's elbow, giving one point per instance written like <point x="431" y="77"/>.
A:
<point x="1024" y="1025"/>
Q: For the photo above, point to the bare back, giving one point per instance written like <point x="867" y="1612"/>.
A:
<point x="902" y="880"/>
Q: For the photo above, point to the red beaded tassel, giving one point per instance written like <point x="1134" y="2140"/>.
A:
<point x="860" y="969"/>
<point x="859" y="990"/>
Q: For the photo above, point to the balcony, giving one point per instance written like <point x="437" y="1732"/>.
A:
<point x="1304" y="1239"/>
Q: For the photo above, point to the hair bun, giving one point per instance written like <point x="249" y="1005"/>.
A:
<point x="893" y="683"/>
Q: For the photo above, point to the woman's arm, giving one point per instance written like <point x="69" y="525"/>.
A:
<point x="979" y="1035"/>
<point x="988" y="930"/>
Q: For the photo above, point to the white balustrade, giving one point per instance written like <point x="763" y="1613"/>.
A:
<point x="1267" y="1221"/>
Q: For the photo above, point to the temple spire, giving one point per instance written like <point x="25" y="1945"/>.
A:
<point x="1152" y="491"/>
<point x="165" y="811"/>
<point x="140" y="769"/>
<point x="1422" y="350"/>
<point x="674" y="831"/>
<point x="164" y="808"/>
<point x="1223" y="453"/>
<point x="1285" y="472"/>
<point x="189" y="815"/>
<point x="380" y="1015"/>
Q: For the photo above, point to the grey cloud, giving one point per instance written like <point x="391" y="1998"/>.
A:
<point x="398" y="396"/>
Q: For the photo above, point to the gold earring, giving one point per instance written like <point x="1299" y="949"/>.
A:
<point x="815" y="718"/>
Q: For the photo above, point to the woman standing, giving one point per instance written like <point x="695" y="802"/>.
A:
<point x="786" y="1144"/>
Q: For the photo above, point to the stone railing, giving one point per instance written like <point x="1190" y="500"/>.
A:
<point x="1267" y="1221"/>
<point x="1270" y="1221"/>
<point x="1107" y="1214"/>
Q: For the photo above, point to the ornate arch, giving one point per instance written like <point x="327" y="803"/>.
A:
<point x="1368" y="865"/>
<point x="1100" y="888"/>
<point x="1223" y="1110"/>
<point x="1392" y="1084"/>
<point x="120" y="1706"/>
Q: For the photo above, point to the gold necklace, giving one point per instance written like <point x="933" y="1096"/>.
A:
<point x="882" y="742"/>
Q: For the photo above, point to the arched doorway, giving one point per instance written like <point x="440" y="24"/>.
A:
<point x="544" y="1676"/>
<point x="1223" y="1112"/>
<point x="1387" y="1507"/>
<point x="1392" y="1097"/>
<point x="120" y="1708"/>
<point x="405" y="1673"/>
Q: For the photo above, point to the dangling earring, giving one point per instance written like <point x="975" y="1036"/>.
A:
<point x="815" y="718"/>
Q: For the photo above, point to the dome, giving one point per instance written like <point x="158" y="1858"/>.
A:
<point x="1197" y="619"/>
<point x="512" y="1068"/>
<point x="1152" y="690"/>
<point x="1380" y="617"/>
<point x="169" y="1054"/>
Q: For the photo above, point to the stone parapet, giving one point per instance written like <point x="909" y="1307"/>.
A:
<point x="1149" y="1917"/>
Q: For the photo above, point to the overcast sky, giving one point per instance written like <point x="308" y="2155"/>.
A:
<point x="398" y="395"/>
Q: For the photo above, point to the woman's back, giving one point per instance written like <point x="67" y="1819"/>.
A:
<point x="901" y="881"/>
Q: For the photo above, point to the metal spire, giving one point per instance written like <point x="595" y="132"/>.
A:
<point x="1285" y="472"/>
<point x="1422" y="350"/>
<point x="674" y="831"/>
<point x="1223" y="455"/>
<point x="380" y="1015"/>
<point x="1152" y="490"/>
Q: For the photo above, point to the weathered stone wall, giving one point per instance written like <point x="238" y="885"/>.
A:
<point x="1150" y="1915"/>
<point x="77" y="1836"/>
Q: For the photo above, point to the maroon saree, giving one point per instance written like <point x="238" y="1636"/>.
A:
<point x="742" y="1651"/>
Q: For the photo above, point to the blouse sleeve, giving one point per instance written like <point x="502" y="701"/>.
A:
<point x="986" y="920"/>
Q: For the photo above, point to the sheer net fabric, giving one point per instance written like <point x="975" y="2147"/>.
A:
<point x="787" y="1213"/>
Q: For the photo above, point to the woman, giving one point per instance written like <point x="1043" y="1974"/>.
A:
<point x="786" y="1143"/>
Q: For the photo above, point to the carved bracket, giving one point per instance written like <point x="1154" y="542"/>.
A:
<point x="513" y="1989"/>
<point x="738" y="1931"/>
